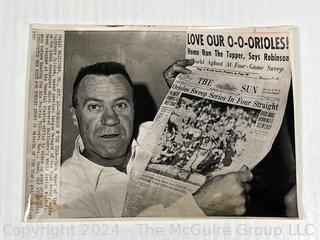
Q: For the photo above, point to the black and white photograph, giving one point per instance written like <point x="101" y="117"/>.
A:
<point x="166" y="119"/>
<point x="202" y="136"/>
<point x="114" y="83"/>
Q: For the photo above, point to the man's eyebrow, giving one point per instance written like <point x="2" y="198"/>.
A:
<point x="122" y="98"/>
<point x="92" y="99"/>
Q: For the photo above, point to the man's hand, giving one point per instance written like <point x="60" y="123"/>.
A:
<point x="225" y="195"/>
<point x="178" y="67"/>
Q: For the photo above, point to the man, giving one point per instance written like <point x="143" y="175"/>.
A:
<point x="94" y="180"/>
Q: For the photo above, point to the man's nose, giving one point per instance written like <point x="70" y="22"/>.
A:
<point x="109" y="118"/>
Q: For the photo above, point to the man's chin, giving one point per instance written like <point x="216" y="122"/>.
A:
<point x="113" y="154"/>
<point x="113" y="151"/>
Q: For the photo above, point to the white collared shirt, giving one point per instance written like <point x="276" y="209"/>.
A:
<point x="91" y="190"/>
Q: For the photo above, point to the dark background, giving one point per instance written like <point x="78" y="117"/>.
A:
<point x="275" y="175"/>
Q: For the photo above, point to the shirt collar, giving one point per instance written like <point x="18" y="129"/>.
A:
<point x="93" y="170"/>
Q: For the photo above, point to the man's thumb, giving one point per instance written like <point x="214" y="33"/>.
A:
<point x="244" y="168"/>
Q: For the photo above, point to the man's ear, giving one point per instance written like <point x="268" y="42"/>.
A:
<point x="74" y="116"/>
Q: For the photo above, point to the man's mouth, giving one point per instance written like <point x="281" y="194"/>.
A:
<point x="110" y="136"/>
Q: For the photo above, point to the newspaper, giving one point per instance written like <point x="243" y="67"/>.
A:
<point x="223" y="115"/>
<point x="94" y="161"/>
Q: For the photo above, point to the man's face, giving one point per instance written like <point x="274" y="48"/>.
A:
<point x="104" y="116"/>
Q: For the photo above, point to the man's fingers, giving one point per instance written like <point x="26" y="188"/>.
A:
<point x="185" y="62"/>
<point x="179" y="69"/>
<point x="215" y="178"/>
<point x="246" y="187"/>
<point x="244" y="176"/>
<point x="244" y="168"/>
<point x="239" y="211"/>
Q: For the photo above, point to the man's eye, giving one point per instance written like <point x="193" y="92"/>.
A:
<point x="120" y="106"/>
<point x="94" y="108"/>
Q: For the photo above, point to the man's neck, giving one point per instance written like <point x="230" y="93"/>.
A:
<point x="118" y="163"/>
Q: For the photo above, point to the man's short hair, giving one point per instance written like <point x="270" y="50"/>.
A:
<point x="101" y="68"/>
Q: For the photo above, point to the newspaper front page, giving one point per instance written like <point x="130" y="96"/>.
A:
<point x="223" y="115"/>
<point x="91" y="152"/>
